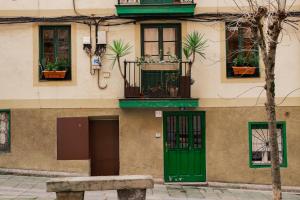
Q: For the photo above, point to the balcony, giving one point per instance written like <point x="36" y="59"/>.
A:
<point x="149" y="85"/>
<point x="152" y="8"/>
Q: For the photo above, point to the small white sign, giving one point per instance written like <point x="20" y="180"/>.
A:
<point x="157" y="135"/>
<point x="158" y="113"/>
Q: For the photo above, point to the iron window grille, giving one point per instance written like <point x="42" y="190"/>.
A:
<point x="259" y="144"/>
<point x="4" y="130"/>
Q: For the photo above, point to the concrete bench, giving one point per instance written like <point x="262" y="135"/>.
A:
<point x="128" y="187"/>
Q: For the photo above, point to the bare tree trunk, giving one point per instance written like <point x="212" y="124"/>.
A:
<point x="274" y="29"/>
<point x="268" y="43"/>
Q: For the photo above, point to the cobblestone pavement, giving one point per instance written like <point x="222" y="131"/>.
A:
<point x="30" y="188"/>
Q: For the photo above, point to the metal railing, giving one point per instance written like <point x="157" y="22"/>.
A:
<point x="126" y="2"/>
<point x="157" y="80"/>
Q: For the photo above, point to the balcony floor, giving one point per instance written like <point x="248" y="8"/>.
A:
<point x="159" y="103"/>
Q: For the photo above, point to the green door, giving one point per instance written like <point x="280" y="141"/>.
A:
<point x="184" y="146"/>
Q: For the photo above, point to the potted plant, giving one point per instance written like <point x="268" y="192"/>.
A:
<point x="172" y="84"/>
<point x="55" y="69"/>
<point x="245" y="65"/>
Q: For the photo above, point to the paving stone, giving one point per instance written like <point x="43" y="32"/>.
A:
<point x="29" y="188"/>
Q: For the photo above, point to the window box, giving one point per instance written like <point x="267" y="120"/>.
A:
<point x="54" y="74"/>
<point x="242" y="70"/>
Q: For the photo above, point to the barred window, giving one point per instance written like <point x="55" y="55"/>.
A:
<point x="4" y="131"/>
<point x="260" y="148"/>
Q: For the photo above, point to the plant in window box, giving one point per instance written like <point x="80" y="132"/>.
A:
<point x="149" y="63"/>
<point x="55" y="70"/>
<point x="245" y="65"/>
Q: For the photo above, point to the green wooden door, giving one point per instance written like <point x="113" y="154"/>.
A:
<point x="184" y="146"/>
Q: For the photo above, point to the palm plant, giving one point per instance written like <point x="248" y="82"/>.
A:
<point x="194" y="44"/>
<point x="119" y="49"/>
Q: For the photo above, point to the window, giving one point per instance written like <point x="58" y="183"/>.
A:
<point x="4" y="131"/>
<point x="259" y="143"/>
<point x="55" y="53"/>
<point x="184" y="130"/>
<point x="242" y="55"/>
<point x="159" y="41"/>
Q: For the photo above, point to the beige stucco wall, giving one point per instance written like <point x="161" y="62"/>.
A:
<point x="33" y="142"/>
<point x="19" y="63"/>
<point x="140" y="151"/>
<point x="227" y="146"/>
<point x="103" y="7"/>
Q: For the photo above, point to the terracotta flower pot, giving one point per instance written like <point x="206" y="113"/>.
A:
<point x="242" y="70"/>
<point x="55" y="74"/>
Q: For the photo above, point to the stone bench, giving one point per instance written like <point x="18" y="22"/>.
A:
<point x="128" y="187"/>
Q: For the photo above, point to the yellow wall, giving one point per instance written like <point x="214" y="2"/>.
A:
<point x="33" y="142"/>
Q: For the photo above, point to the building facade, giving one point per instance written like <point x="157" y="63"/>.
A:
<point x="86" y="119"/>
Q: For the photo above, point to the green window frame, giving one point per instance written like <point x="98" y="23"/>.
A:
<point x="5" y="127"/>
<point x="259" y="150"/>
<point x="59" y="50"/>
<point x="160" y="38"/>
<point x="239" y="44"/>
<point x="155" y="79"/>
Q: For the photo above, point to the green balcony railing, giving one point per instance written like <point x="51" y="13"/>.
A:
<point x="155" y="2"/>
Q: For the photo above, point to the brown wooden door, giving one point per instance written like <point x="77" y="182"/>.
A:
<point x="104" y="147"/>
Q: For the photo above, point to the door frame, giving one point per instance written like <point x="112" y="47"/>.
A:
<point x="203" y="119"/>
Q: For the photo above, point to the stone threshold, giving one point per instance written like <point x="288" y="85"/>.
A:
<point x="236" y="186"/>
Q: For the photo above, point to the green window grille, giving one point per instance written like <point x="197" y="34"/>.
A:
<point x="242" y="52"/>
<point x="4" y="130"/>
<point x="55" y="50"/>
<point x="259" y="144"/>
